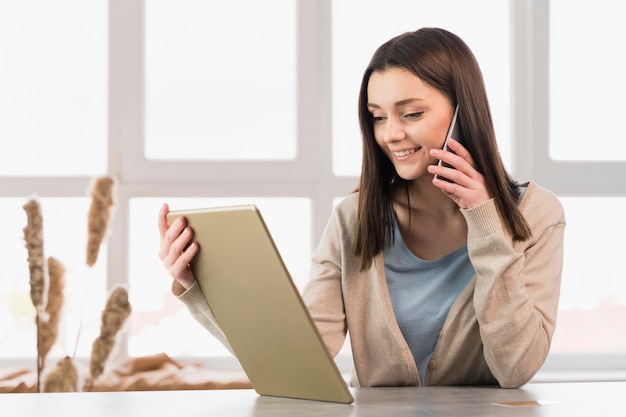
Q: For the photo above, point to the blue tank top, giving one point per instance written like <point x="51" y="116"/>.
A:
<point x="422" y="293"/>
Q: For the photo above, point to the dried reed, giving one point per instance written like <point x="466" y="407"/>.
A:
<point x="99" y="216"/>
<point x="63" y="378"/>
<point x="114" y="315"/>
<point x="33" y="235"/>
<point x="49" y="328"/>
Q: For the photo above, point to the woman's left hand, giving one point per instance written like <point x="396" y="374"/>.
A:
<point x="467" y="187"/>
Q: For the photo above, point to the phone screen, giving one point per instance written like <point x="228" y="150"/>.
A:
<point x="455" y="132"/>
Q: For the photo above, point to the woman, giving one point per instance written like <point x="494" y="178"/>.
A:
<point x="439" y="281"/>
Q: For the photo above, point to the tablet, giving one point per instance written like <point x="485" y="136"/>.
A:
<point x="258" y="306"/>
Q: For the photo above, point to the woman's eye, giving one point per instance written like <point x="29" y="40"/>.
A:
<point x="413" y="115"/>
<point x="378" y="119"/>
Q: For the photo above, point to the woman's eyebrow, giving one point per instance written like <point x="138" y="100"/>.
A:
<point x="397" y="104"/>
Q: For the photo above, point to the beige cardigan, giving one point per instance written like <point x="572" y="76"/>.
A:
<point x="498" y="331"/>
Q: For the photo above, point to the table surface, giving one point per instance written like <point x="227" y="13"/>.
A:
<point x="535" y="399"/>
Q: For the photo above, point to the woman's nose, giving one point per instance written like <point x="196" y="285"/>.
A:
<point x="393" y="130"/>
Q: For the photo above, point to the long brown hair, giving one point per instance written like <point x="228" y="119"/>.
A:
<point x="442" y="60"/>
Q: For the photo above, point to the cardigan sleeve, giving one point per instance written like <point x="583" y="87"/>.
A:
<point x="198" y="306"/>
<point x="517" y="285"/>
<point x="323" y="294"/>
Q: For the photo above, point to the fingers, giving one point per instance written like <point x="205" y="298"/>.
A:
<point x="177" y="247"/>
<point x="458" y="149"/>
<point x="180" y="269"/>
<point x="162" y="220"/>
<point x="467" y="187"/>
<point x="458" y="157"/>
<point x="174" y="241"/>
<point x="168" y="233"/>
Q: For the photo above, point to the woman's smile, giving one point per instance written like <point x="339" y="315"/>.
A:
<point x="405" y="153"/>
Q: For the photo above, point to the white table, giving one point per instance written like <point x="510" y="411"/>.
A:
<point x="591" y="399"/>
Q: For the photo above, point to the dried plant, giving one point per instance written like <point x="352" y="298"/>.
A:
<point x="63" y="378"/>
<point x="33" y="235"/>
<point x="47" y="285"/>
<point x="99" y="216"/>
<point x="114" y="315"/>
<point x="102" y="191"/>
<point x="49" y="328"/>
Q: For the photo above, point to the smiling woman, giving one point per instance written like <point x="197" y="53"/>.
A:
<point x="256" y="101"/>
<point x="414" y="258"/>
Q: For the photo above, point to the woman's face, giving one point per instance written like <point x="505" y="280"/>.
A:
<point x="410" y="118"/>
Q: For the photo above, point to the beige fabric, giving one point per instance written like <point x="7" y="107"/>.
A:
<point x="160" y="372"/>
<point x="17" y="380"/>
<point x="498" y="331"/>
<point x="148" y="373"/>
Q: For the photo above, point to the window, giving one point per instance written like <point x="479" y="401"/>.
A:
<point x="593" y="293"/>
<point x="53" y="87"/>
<point x="144" y="91"/>
<point x="583" y="106"/>
<point x="219" y="81"/>
<point x="584" y="165"/>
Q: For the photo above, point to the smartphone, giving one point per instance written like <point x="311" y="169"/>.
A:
<point x="454" y="131"/>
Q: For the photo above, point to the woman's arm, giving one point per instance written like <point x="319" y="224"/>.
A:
<point x="517" y="285"/>
<point x="177" y="249"/>
<point x="198" y="306"/>
<point x="323" y="293"/>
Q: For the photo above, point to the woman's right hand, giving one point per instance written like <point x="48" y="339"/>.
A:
<point x="177" y="248"/>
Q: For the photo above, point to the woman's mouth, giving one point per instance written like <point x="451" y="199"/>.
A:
<point x="404" y="153"/>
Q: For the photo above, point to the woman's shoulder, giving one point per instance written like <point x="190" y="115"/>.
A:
<point x="349" y="202"/>
<point x="345" y="213"/>
<point x="541" y="204"/>
<point x="347" y="208"/>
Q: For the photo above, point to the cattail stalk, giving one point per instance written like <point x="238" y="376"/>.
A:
<point x="33" y="236"/>
<point x="49" y="328"/>
<point x="102" y="191"/>
<point x="114" y="315"/>
<point x="99" y="216"/>
<point x="63" y="378"/>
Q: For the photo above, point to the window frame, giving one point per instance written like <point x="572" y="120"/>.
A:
<point x="531" y="124"/>
<point x="530" y="20"/>
<point x="310" y="174"/>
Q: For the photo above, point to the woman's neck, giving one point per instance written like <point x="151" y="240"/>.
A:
<point x="422" y="196"/>
<point x="431" y="223"/>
